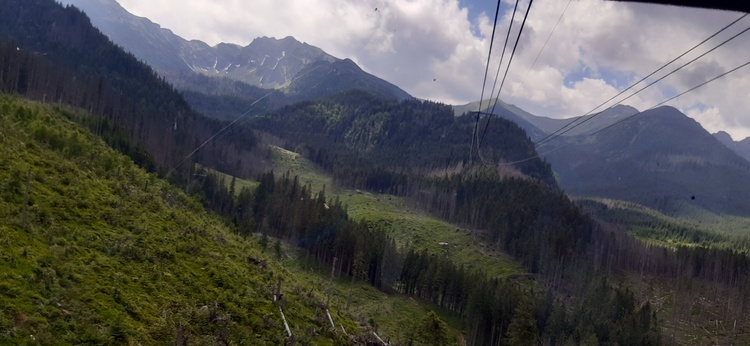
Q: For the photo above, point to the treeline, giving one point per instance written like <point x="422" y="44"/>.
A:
<point x="52" y="53"/>
<point x="534" y="223"/>
<point x="285" y="209"/>
<point x="500" y="311"/>
<point x="552" y="237"/>
<point x="494" y="311"/>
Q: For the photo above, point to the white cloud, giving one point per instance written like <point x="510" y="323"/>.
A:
<point x="620" y="39"/>
<point x="428" y="47"/>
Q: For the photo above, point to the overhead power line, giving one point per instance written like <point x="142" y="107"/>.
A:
<point x="539" y="155"/>
<point x="582" y="119"/>
<point x="676" y="96"/>
<point x="235" y="121"/>
<point x="484" y="82"/>
<point x="497" y="77"/>
<point x="507" y="68"/>
<point x="502" y="55"/>
<point x="548" y="37"/>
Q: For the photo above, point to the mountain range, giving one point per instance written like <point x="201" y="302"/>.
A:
<point x="286" y="64"/>
<point x="660" y="158"/>
<point x="645" y="159"/>
<point x="99" y="251"/>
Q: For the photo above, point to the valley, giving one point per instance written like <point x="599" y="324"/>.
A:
<point x="158" y="190"/>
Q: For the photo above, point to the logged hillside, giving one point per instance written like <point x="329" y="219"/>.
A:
<point x="109" y="254"/>
<point x="395" y="149"/>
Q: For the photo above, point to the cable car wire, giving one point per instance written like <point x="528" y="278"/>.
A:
<point x="539" y="155"/>
<point x="484" y="82"/>
<point x="510" y="61"/>
<point x="563" y="130"/>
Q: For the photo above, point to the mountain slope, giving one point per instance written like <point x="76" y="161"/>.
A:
<point x="266" y="62"/>
<point x="538" y="127"/>
<point x="661" y="159"/>
<point x="408" y="136"/>
<point x="112" y="255"/>
<point x="534" y="132"/>
<point x="742" y="148"/>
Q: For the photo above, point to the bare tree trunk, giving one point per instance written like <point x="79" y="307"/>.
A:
<point x="330" y="319"/>
<point x="330" y="283"/>
<point x="286" y="325"/>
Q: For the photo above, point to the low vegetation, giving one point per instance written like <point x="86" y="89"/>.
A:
<point x="107" y="253"/>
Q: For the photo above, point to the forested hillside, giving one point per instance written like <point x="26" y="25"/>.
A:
<point x="140" y="249"/>
<point x="376" y="143"/>
<point x="51" y="53"/>
<point x="492" y="310"/>
<point x="649" y="160"/>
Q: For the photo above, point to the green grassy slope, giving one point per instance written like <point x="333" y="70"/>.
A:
<point x="239" y="184"/>
<point x="111" y="254"/>
<point x="409" y="227"/>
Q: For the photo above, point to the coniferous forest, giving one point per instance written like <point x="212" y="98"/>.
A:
<point x="578" y="286"/>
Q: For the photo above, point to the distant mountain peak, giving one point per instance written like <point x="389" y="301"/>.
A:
<point x="538" y="127"/>
<point x="653" y="159"/>
<point x="742" y="148"/>
<point x="619" y="111"/>
<point x="351" y="63"/>
<point x="724" y="137"/>
<point x="267" y="62"/>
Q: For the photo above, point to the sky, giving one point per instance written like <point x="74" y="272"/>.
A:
<point x="437" y="49"/>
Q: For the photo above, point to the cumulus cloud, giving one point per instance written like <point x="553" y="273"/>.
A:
<point x="436" y="49"/>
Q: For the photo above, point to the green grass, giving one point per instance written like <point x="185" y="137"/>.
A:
<point x="239" y="183"/>
<point x="309" y="174"/>
<point x="408" y="226"/>
<point x="111" y="254"/>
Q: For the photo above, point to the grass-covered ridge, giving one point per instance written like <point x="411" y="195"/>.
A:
<point x="112" y="254"/>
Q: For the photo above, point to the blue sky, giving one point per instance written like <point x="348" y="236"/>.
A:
<point x="437" y="49"/>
